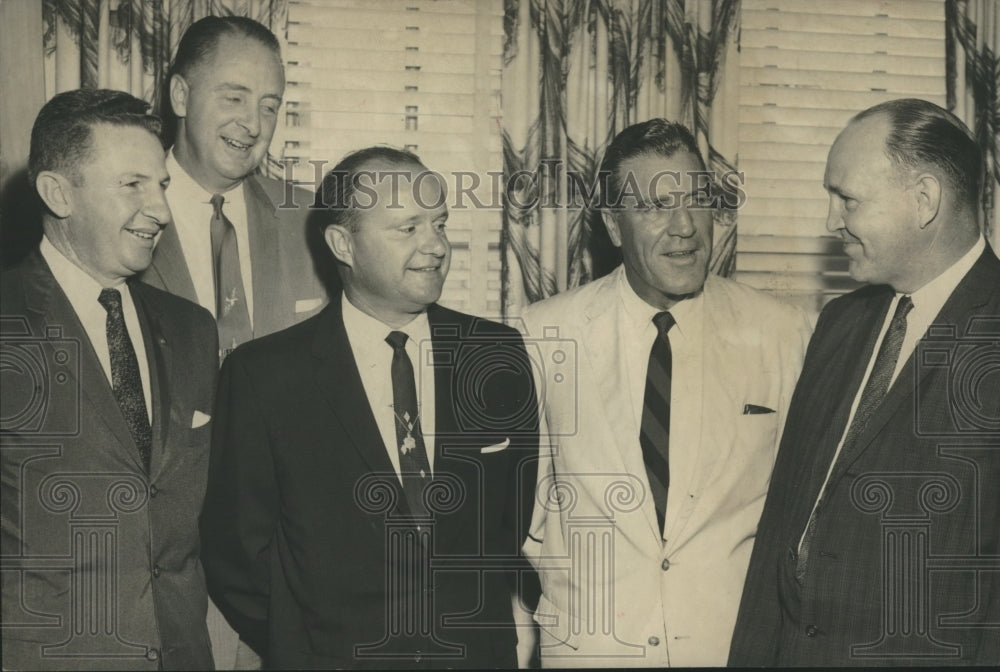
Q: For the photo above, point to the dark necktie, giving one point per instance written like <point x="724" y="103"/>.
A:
<point x="654" y="434"/>
<point x="413" y="465"/>
<point x="871" y="397"/>
<point x="125" y="380"/>
<point x="231" y="310"/>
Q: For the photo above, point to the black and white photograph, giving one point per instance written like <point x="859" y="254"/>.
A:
<point x="496" y="334"/>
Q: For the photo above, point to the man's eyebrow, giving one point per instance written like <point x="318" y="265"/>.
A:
<point x="233" y="86"/>
<point x="833" y="189"/>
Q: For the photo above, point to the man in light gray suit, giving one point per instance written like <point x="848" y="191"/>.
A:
<point x="665" y="389"/>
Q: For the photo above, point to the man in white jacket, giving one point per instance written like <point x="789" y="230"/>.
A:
<point x="663" y="392"/>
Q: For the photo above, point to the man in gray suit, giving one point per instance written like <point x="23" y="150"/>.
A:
<point x="238" y="244"/>
<point x="107" y="390"/>
<point x="879" y="542"/>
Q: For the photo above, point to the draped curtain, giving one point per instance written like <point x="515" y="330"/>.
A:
<point x="128" y="44"/>
<point x="973" y="34"/>
<point x="575" y="74"/>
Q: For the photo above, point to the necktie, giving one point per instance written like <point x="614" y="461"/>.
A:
<point x="872" y="395"/>
<point x="413" y="465"/>
<point x="654" y="434"/>
<point x="125" y="380"/>
<point x="231" y="311"/>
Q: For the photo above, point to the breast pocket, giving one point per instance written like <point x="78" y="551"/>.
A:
<point x="754" y="450"/>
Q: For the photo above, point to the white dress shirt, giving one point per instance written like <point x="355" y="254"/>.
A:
<point x="685" y="380"/>
<point x="927" y="303"/>
<point x="374" y="359"/>
<point x="83" y="291"/>
<point x="192" y="211"/>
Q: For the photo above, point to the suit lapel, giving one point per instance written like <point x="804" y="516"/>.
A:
<point x="338" y="379"/>
<point x="51" y="308"/>
<point x="169" y="269"/>
<point x="455" y="455"/>
<point x="159" y="359"/>
<point x="262" y="229"/>
<point x="603" y="349"/>
<point x="975" y="290"/>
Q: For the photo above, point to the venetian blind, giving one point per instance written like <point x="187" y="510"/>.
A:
<point x="806" y="68"/>
<point x="418" y="74"/>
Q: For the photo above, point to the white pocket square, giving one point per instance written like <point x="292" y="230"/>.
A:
<point x="199" y="419"/>
<point x="305" y="305"/>
<point x="496" y="448"/>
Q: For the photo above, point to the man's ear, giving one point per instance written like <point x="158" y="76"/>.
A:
<point x="611" y="224"/>
<point x="927" y="190"/>
<point x="54" y="189"/>
<point x="179" y="91"/>
<point x="338" y="239"/>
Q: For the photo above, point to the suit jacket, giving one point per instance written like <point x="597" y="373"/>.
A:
<point x="903" y="567"/>
<point x="656" y="603"/>
<point x="100" y="560"/>
<point x="305" y="548"/>
<point x="286" y="290"/>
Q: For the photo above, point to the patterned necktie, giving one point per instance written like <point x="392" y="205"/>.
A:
<point x="413" y="465"/>
<point x="871" y="397"/>
<point x="231" y="310"/>
<point x="125" y="379"/>
<point x="654" y="434"/>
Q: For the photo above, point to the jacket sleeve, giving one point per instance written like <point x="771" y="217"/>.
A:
<point x="754" y="642"/>
<point x="239" y="518"/>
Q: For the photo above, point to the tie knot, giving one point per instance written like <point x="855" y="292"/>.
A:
<point x="663" y="321"/>
<point x="904" y="306"/>
<point x="111" y="299"/>
<point x="217" y="201"/>
<point x="397" y="339"/>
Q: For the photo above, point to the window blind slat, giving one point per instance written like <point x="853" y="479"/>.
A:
<point x="833" y="43"/>
<point x="897" y="9"/>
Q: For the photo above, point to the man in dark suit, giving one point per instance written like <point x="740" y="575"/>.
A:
<point x="879" y="541"/>
<point x="238" y="243"/>
<point x="107" y="390"/>
<point x="373" y="467"/>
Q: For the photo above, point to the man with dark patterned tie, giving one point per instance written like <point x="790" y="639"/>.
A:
<point x="373" y="467"/>
<point x="664" y="393"/>
<point x="880" y="543"/>
<point x="238" y="244"/>
<point x="107" y="392"/>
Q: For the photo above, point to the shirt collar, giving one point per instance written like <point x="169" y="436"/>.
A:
<point x="932" y="296"/>
<point x="80" y="287"/>
<point x="369" y="330"/>
<point x="184" y="186"/>
<point x="640" y="314"/>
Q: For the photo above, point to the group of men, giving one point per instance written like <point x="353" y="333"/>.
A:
<point x="693" y="473"/>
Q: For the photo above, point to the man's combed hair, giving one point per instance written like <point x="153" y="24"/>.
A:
<point x="336" y="194"/>
<point x="924" y="135"/>
<point x="62" y="136"/>
<point x="198" y="44"/>
<point x="657" y="137"/>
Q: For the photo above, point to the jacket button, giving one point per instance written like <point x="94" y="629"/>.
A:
<point x="665" y="565"/>
<point x="811" y="631"/>
<point x="156" y="571"/>
<point x="152" y="654"/>
<point x="153" y="491"/>
<point x="654" y="641"/>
